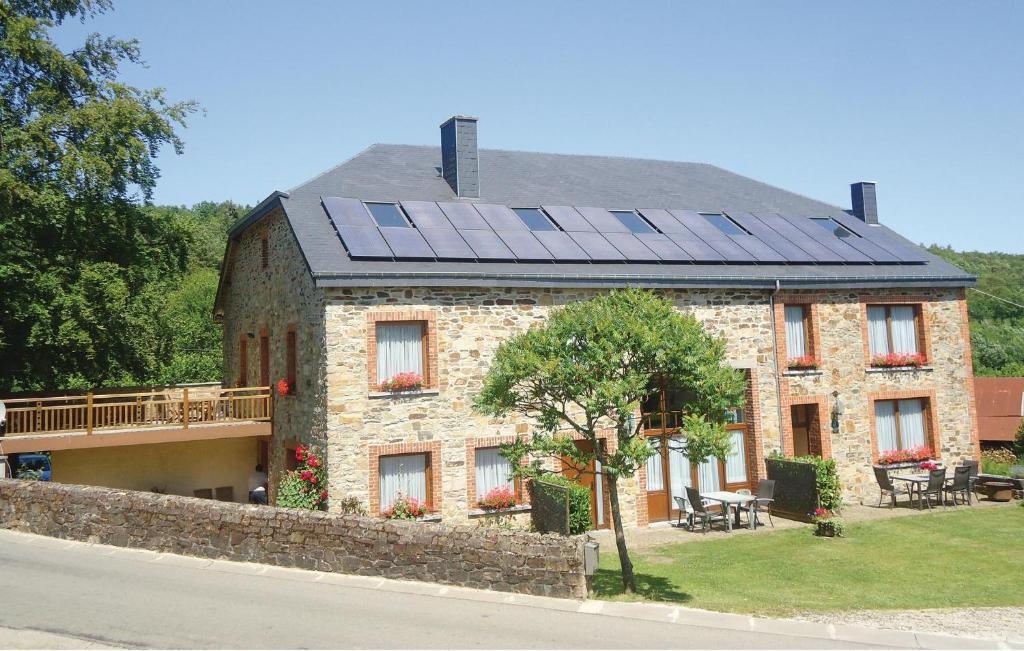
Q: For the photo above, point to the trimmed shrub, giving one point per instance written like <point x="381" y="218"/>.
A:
<point x="579" y="503"/>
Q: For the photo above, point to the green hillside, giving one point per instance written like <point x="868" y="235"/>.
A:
<point x="997" y="328"/>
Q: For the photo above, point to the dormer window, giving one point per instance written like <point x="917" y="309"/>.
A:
<point x="724" y="224"/>
<point x="534" y="219"/>
<point x="388" y="215"/>
<point x="634" y="222"/>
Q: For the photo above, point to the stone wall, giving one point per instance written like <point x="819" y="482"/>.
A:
<point x="270" y="300"/>
<point x="458" y="555"/>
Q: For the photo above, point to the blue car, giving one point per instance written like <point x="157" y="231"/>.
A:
<point x="33" y="463"/>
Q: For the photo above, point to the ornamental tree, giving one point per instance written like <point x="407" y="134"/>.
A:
<point x="588" y="368"/>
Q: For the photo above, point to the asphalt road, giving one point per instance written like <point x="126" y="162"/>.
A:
<point x="58" y="594"/>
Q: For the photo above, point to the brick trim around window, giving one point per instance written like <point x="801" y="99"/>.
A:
<point x="824" y="423"/>
<point x="920" y="304"/>
<point x="931" y="415"/>
<point x="430" y="381"/>
<point x="433" y="448"/>
<point x="472" y="444"/>
<point x="810" y="305"/>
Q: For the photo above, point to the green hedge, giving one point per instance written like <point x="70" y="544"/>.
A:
<point x="579" y="503"/>
<point x="830" y="494"/>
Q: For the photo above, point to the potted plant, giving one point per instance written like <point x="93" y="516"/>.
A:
<point x="405" y="508"/>
<point x="284" y="387"/>
<point x="497" y="499"/>
<point x="802" y="363"/>
<point x="898" y="360"/>
<point x="826" y="523"/>
<point x="406" y="381"/>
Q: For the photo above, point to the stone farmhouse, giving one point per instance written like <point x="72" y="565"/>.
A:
<point x="422" y="259"/>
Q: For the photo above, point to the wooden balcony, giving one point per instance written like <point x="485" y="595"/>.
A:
<point x="156" y="416"/>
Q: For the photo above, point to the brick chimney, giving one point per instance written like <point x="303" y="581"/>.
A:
<point x="864" y="202"/>
<point x="459" y="161"/>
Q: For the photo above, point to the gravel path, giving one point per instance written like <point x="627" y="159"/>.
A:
<point x="1004" y="624"/>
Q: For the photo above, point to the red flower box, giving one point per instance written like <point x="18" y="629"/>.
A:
<point x="803" y="362"/>
<point x="284" y="388"/>
<point x="498" y="498"/>
<point x="402" y="382"/>
<point x="910" y="455"/>
<point x="897" y="360"/>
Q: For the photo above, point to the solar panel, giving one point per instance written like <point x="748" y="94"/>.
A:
<point x="702" y="228"/>
<point x="406" y="242"/>
<point x="426" y="214"/>
<point x="563" y="248"/>
<point x="663" y="220"/>
<point x="663" y="247"/>
<point x="486" y="244"/>
<point x="363" y="242"/>
<point x="903" y="251"/>
<point x="524" y="245"/>
<point x="569" y="219"/>
<point x="835" y="244"/>
<point x="463" y="215"/>
<point x="602" y="221"/>
<point x="500" y="218"/>
<point x="347" y="212"/>
<point x="598" y="248"/>
<point x="761" y="251"/>
<point x="447" y="244"/>
<point x="632" y="248"/>
<point x="792" y="234"/>
<point x="788" y="251"/>
<point x="865" y="245"/>
<point x="695" y="247"/>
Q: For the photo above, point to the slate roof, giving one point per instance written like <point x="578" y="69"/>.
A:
<point x="524" y="179"/>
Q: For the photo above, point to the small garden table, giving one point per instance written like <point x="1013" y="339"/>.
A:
<point x="730" y="500"/>
<point x="916" y="480"/>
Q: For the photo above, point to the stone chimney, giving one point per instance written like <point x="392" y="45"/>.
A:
<point x="864" y="202"/>
<point x="459" y="161"/>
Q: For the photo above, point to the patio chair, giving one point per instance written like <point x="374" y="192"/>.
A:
<point x="701" y="512"/>
<point x="935" y="486"/>
<point x="763" y="502"/>
<point x="683" y="505"/>
<point x="885" y="485"/>
<point x="960" y="484"/>
<point x="973" y="480"/>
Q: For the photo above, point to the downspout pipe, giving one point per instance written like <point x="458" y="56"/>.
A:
<point x="775" y="364"/>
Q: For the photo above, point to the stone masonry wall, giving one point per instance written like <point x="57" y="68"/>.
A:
<point x="468" y="556"/>
<point x="468" y="324"/>
<point x="270" y="300"/>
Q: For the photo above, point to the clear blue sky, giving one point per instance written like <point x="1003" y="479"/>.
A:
<point x="926" y="98"/>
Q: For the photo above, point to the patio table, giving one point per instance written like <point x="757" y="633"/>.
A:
<point x="916" y="481"/>
<point x="730" y="500"/>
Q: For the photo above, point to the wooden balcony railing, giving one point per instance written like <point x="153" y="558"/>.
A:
<point x="160" y="408"/>
<point x="662" y="420"/>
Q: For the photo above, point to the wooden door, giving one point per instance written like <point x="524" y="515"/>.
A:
<point x="659" y="496"/>
<point x="590" y="476"/>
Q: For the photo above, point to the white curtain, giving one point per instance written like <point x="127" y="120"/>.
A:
<point x="678" y="469"/>
<point x="904" y="329"/>
<point x="492" y="471"/>
<point x="599" y="491"/>
<point x="655" y="470"/>
<point x="707" y="475"/>
<point x="885" y="425"/>
<point x="912" y="423"/>
<point x="404" y="475"/>
<point x="796" y="334"/>
<point x="878" y="337"/>
<point x="736" y="462"/>
<point x="399" y="349"/>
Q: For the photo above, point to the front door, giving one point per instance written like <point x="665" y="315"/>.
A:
<point x="591" y="477"/>
<point x="801" y="429"/>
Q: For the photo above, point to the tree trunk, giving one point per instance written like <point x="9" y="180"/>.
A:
<point x="628" y="582"/>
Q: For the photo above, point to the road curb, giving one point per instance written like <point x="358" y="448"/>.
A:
<point x="656" y="612"/>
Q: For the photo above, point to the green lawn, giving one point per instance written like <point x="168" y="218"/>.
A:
<point x="967" y="557"/>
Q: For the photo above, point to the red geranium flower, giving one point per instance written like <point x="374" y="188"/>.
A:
<point x="323" y="494"/>
<point x="306" y="475"/>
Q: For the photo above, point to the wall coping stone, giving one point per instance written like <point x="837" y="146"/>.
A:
<point x="465" y="555"/>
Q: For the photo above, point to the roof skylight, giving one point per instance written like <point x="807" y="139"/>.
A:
<point x="534" y="219"/>
<point x="724" y="224"/>
<point x="832" y="225"/>
<point x="634" y="222"/>
<point x="388" y="214"/>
